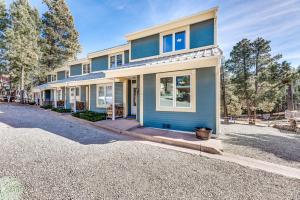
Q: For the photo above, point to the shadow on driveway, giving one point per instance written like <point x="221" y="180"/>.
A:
<point x="33" y="117"/>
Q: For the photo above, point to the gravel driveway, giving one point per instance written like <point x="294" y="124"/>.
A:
<point x="264" y="143"/>
<point x="43" y="156"/>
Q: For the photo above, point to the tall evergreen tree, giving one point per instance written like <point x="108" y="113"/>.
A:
<point x="4" y="22"/>
<point x="262" y="58"/>
<point x="22" y="39"/>
<point x="240" y="65"/>
<point x="60" y="38"/>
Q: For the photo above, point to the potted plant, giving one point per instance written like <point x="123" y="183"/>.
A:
<point x="203" y="133"/>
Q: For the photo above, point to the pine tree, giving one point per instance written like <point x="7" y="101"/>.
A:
<point x="3" y="25"/>
<point x="22" y="39"/>
<point x="262" y="58"/>
<point x="240" y="65"/>
<point x="60" y="38"/>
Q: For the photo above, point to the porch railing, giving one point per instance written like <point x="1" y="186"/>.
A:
<point x="119" y="111"/>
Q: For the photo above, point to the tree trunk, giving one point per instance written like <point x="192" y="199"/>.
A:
<point x="290" y="101"/>
<point x="22" y="85"/>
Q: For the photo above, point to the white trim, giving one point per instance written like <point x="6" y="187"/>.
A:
<point x="104" y="85"/>
<point x="89" y="96"/>
<point x="218" y="98"/>
<point x="141" y="91"/>
<point x="192" y="74"/>
<point x="113" y="101"/>
<point x="115" y="55"/>
<point x="83" y="67"/>
<point x="125" y="97"/>
<point x="185" y="29"/>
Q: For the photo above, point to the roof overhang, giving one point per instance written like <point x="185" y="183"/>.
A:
<point x="198" y="17"/>
<point x="109" y="51"/>
<point x="165" y="67"/>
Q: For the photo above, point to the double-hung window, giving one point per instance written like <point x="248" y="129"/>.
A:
<point x="86" y="68"/>
<point x="104" y="95"/>
<point x="116" y="60"/>
<point x="174" y="42"/>
<point x="59" y="95"/>
<point x="53" y="77"/>
<point x="175" y="91"/>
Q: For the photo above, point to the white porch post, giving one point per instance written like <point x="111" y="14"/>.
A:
<point x="125" y="97"/>
<point x="65" y="102"/>
<point x="55" y="97"/>
<point x="113" y="101"/>
<point x="141" y="90"/>
<point x="89" y="96"/>
<point x="75" y="109"/>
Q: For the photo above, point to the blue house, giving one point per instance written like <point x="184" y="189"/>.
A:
<point x="166" y="76"/>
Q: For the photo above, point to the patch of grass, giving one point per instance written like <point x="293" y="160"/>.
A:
<point x="47" y="106"/>
<point x="90" y="116"/>
<point x="61" y="110"/>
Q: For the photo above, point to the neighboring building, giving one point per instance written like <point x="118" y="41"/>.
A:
<point x="166" y="76"/>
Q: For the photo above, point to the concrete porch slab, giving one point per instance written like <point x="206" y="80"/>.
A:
<point x="180" y="139"/>
<point x="121" y="124"/>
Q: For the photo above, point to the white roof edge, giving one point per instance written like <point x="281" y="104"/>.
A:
<point x="213" y="9"/>
<point x="108" y="50"/>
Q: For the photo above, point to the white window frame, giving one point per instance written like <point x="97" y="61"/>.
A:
<point x="115" y="55"/>
<point x="97" y="94"/>
<point x="52" y="77"/>
<point x="57" y="96"/>
<point x="186" y="29"/>
<point x="89" y="68"/>
<point x="77" y="97"/>
<point x="192" y="108"/>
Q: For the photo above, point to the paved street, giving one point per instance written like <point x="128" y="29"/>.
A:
<point x="44" y="156"/>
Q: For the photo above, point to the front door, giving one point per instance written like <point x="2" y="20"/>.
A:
<point x="133" y="97"/>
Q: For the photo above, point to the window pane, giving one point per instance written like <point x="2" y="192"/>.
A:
<point x="183" y="91"/>
<point x="112" y="61"/>
<point x="167" y="43"/>
<point x="119" y="60"/>
<point x="109" y="91"/>
<point x="77" y="91"/>
<point x="88" y="68"/>
<point x="101" y="91"/>
<point x="166" y="92"/>
<point x="180" y="40"/>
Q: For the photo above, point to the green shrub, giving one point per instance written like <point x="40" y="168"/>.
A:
<point x="90" y="116"/>
<point x="61" y="110"/>
<point x="47" y="106"/>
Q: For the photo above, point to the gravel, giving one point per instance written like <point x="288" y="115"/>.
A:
<point x="53" y="158"/>
<point x="264" y="143"/>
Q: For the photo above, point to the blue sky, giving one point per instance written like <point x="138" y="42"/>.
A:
<point x="104" y="23"/>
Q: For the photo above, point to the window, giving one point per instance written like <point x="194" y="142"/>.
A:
<point x="175" y="91"/>
<point x="179" y="40"/>
<point x="168" y="43"/>
<point x="174" y="42"/>
<point x="104" y="95"/>
<point x="74" y="93"/>
<point x="116" y="60"/>
<point x="53" y="77"/>
<point x="59" y="95"/>
<point x="86" y="69"/>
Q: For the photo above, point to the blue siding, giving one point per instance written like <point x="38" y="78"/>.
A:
<point x="83" y="93"/>
<point x="126" y="55"/>
<point x="68" y="105"/>
<point x="145" y="47"/>
<point x="75" y="70"/>
<point x="61" y="75"/>
<point x="205" y="114"/>
<point x="100" y="63"/>
<point x="202" y="34"/>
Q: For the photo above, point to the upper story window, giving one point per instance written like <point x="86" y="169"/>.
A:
<point x="116" y="60"/>
<point x="174" y="41"/>
<point x="86" y="68"/>
<point x="53" y="77"/>
<point x="67" y="74"/>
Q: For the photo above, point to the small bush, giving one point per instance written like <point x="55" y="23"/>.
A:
<point x="31" y="103"/>
<point x="90" y="116"/>
<point x="47" y="106"/>
<point x="61" y="110"/>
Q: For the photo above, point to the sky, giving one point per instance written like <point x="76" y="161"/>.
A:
<point x="104" y="23"/>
